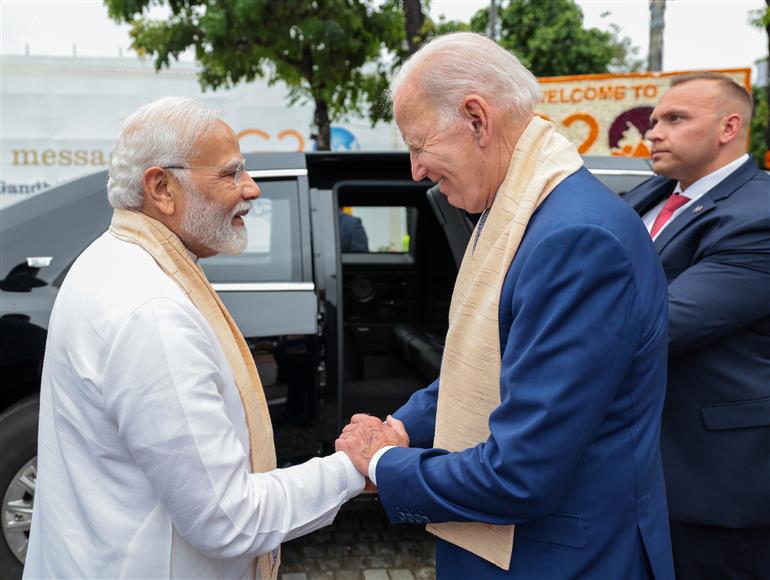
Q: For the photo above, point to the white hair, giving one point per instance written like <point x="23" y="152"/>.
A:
<point x="163" y="132"/>
<point x="453" y="66"/>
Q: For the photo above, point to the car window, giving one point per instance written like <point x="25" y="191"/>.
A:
<point x="375" y="230"/>
<point x="273" y="250"/>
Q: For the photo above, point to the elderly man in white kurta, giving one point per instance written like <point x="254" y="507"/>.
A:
<point x="156" y="457"/>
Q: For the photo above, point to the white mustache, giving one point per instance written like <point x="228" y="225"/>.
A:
<point x="244" y="206"/>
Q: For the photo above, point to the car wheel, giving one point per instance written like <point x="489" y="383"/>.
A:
<point x="18" y="472"/>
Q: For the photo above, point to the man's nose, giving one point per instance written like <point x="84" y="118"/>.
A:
<point x="249" y="187"/>
<point x="418" y="170"/>
<point x="652" y="133"/>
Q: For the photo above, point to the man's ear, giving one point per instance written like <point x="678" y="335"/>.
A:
<point x="477" y="111"/>
<point x="159" y="193"/>
<point x="732" y="126"/>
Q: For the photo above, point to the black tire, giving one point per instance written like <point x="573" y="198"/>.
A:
<point x="18" y="445"/>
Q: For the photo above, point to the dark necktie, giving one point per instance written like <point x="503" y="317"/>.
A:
<point x="672" y="204"/>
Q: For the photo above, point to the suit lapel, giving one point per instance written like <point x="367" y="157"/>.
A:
<point x="735" y="180"/>
<point x="701" y="207"/>
<point x="707" y="202"/>
<point x="644" y="199"/>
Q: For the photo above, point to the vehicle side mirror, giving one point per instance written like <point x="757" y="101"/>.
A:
<point x="22" y="278"/>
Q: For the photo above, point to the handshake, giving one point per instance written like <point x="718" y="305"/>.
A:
<point x="365" y="435"/>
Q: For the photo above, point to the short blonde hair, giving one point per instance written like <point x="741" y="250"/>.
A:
<point x="733" y="90"/>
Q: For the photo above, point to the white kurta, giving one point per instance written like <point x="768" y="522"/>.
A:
<point x="143" y="470"/>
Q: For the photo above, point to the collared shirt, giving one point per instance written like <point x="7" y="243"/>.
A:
<point x="482" y="221"/>
<point x="143" y="463"/>
<point x="375" y="459"/>
<point x="694" y="192"/>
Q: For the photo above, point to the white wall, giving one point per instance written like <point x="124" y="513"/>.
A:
<point x="61" y="115"/>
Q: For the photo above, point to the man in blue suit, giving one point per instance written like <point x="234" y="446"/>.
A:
<point x="709" y="216"/>
<point x="571" y="455"/>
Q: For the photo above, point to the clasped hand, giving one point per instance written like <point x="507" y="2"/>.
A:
<point x="365" y="435"/>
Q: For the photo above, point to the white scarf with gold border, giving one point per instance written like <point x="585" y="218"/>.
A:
<point x="174" y="259"/>
<point x="469" y="389"/>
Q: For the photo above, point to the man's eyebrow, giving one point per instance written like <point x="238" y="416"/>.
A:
<point x="680" y="112"/>
<point x="233" y="165"/>
<point x="414" y="142"/>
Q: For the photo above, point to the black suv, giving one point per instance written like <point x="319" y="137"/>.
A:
<point x="333" y="331"/>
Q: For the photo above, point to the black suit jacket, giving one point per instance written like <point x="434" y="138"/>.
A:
<point x="716" y="420"/>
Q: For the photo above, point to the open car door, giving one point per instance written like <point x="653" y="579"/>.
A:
<point x="456" y="223"/>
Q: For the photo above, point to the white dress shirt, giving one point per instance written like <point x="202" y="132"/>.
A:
<point x="375" y="459"/>
<point x="697" y="190"/>
<point x="143" y="467"/>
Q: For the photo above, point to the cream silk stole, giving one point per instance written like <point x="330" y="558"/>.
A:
<point x="469" y="389"/>
<point x="174" y="259"/>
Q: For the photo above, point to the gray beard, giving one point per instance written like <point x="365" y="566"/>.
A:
<point x="209" y="224"/>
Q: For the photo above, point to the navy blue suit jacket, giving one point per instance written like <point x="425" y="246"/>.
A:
<point x="573" y="456"/>
<point x="352" y="234"/>
<point x="716" y="421"/>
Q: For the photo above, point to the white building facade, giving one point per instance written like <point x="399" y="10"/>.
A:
<point x="61" y="115"/>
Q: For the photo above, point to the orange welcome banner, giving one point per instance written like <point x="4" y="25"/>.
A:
<point x="608" y="114"/>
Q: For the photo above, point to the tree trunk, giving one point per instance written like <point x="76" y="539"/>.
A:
<point x="415" y="20"/>
<point x="492" y="20"/>
<point x="323" y="127"/>
<point x="657" y="24"/>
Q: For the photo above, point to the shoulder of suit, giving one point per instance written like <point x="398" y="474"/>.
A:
<point x="654" y="183"/>
<point x="756" y="180"/>
<point x="762" y="176"/>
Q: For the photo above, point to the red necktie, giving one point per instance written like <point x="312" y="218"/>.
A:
<point x="672" y="204"/>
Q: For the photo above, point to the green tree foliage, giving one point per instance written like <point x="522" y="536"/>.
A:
<point x="325" y="51"/>
<point x="549" y="39"/>
<point x="444" y="26"/>
<point x="760" y="121"/>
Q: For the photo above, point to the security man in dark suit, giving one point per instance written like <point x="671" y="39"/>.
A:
<point x="709" y="215"/>
<point x="352" y="234"/>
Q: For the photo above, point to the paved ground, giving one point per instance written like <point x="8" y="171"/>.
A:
<point x="361" y="545"/>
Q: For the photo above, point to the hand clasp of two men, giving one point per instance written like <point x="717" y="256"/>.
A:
<point x="365" y="435"/>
